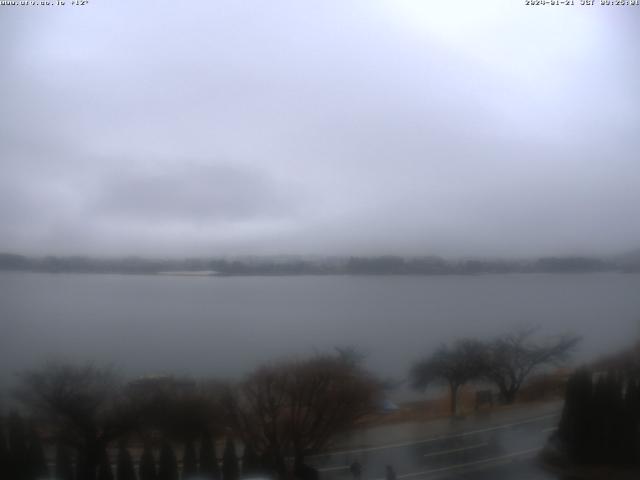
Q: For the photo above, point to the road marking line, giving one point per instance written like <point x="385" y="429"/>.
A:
<point x="550" y="429"/>
<point x="435" y="439"/>
<point x="333" y="469"/>
<point x="453" y="450"/>
<point x="500" y="459"/>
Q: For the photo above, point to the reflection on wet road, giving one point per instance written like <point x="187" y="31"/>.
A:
<point x="491" y="451"/>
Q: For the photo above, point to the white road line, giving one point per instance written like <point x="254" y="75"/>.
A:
<point x="333" y="469"/>
<point x="435" y="439"/>
<point x="453" y="450"/>
<point x="499" y="459"/>
<point x="550" y="429"/>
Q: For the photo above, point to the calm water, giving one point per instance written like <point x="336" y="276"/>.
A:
<point x="226" y="326"/>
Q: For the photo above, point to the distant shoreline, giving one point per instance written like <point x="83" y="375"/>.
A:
<point x="319" y="266"/>
<point x="213" y="274"/>
<point x="190" y="273"/>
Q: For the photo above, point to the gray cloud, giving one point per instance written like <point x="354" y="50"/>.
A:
<point x="343" y="127"/>
<point x="193" y="192"/>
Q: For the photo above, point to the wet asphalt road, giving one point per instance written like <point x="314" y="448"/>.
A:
<point x="497" y="449"/>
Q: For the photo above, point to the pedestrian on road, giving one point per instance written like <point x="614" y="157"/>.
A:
<point x="390" y="473"/>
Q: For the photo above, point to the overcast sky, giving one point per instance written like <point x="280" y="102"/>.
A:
<point x="319" y="127"/>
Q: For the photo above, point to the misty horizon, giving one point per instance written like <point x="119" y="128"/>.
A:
<point x="319" y="256"/>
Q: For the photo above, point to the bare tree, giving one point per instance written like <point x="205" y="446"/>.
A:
<point x="79" y="404"/>
<point x="351" y="355"/>
<point x="512" y="357"/>
<point x="295" y="408"/>
<point x="180" y="408"/>
<point x="454" y="365"/>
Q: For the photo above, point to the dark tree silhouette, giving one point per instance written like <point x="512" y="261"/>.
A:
<point x="455" y="365"/>
<point x="251" y="463"/>
<point x="599" y="423"/>
<point x="168" y="465"/>
<point x="179" y="408"/>
<point x="230" y="470"/>
<point x="575" y="424"/>
<point x="209" y="467"/>
<point x="305" y="472"/>
<point x="297" y="407"/>
<point x="147" y="469"/>
<point x="36" y="461"/>
<point x="4" y="451"/>
<point x="18" y="466"/>
<point x="632" y="408"/>
<point x="63" y="468"/>
<point x="511" y="359"/>
<point x="124" y="466"/>
<point x="614" y="428"/>
<point x="189" y="461"/>
<point x="79" y="403"/>
<point x="104" y="466"/>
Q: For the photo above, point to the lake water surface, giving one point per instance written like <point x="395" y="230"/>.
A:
<point x="226" y="326"/>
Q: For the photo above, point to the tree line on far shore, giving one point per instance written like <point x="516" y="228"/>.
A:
<point x="295" y="265"/>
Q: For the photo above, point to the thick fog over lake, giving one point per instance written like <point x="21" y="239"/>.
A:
<point x="227" y="326"/>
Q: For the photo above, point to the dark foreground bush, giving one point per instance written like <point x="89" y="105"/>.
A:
<point x="600" y="423"/>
